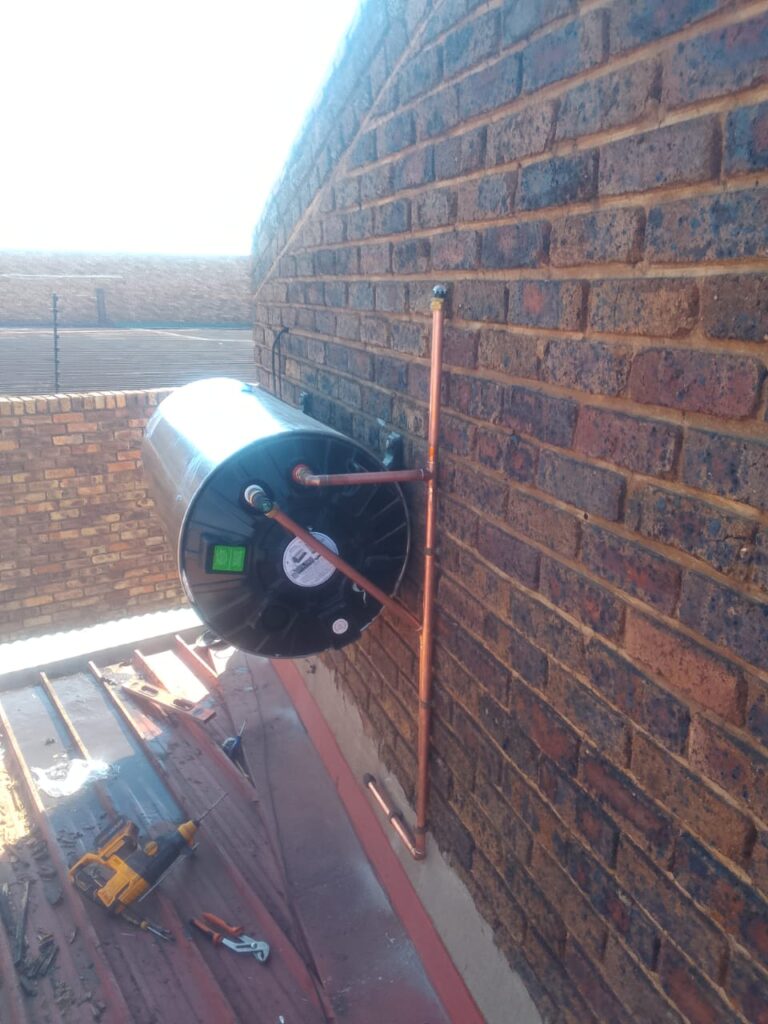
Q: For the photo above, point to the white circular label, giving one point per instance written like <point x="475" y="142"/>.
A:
<point x="339" y="626"/>
<point x="305" y="567"/>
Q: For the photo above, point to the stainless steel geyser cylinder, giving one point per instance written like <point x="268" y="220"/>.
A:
<point x="249" y="580"/>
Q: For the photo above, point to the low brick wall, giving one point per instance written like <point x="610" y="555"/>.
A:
<point x="590" y="179"/>
<point x="80" y="541"/>
<point x="115" y="290"/>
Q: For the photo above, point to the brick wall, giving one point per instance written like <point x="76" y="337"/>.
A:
<point x="80" y="542"/>
<point x="156" y="291"/>
<point x="591" y="180"/>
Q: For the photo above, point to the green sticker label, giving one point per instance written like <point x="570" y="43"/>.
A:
<point x="228" y="558"/>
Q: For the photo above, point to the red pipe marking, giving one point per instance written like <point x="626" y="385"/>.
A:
<point x="450" y="987"/>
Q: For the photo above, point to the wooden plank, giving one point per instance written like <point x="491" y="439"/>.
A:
<point x="157" y="694"/>
<point x="192" y="660"/>
<point x="116" y="1005"/>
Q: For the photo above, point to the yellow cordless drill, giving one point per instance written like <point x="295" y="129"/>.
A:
<point x="122" y="870"/>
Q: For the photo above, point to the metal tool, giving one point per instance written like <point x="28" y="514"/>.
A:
<point x="123" y="870"/>
<point x="222" y="934"/>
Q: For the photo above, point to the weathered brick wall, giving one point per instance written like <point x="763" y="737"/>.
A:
<point x="136" y="290"/>
<point x="591" y="180"/>
<point x="79" y="541"/>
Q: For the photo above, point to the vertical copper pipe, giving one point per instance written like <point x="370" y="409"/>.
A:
<point x="426" y="639"/>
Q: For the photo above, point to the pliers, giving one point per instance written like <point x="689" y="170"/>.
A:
<point x="222" y="934"/>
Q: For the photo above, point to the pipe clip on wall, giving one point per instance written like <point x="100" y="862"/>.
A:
<point x="303" y="475"/>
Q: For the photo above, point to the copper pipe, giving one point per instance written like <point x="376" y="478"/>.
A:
<point x="426" y="640"/>
<point x="256" y="497"/>
<point x="393" y="817"/>
<point x="303" y="475"/>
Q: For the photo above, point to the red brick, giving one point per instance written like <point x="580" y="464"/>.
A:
<point x="724" y="226"/>
<point x="611" y="101"/>
<point x="592" y="985"/>
<point x="757" y="709"/>
<point x="641" y="445"/>
<point x="451" y="836"/>
<point x="461" y="154"/>
<point x="491" y="196"/>
<point x="435" y="208"/>
<point x="558" y="304"/>
<point x="413" y="170"/>
<point x="376" y="183"/>
<point x="481" y="300"/>
<point x="607" y="236"/>
<point x="590" y="715"/>
<point x="538" y="908"/>
<point x="727" y="900"/>
<point x="558" y="181"/>
<point x="395" y="134"/>
<point x="456" y="250"/>
<point x="490" y="88"/>
<point x="632" y="567"/>
<point x="636" y="987"/>
<point x="699" y="808"/>
<point x="577" y="46"/>
<point x="735" y="306"/>
<point x="655" y="307"/>
<point x="747" y="988"/>
<point x="521" y="134"/>
<point x="520" y="20"/>
<point x="481" y="490"/>
<point x="735" y="765"/>
<point x="471" y="43"/>
<point x="514" y="741"/>
<point x="690" y="991"/>
<point x="722" y="385"/>
<point x="746" y="146"/>
<point x="475" y="397"/>
<point x="588" y="366"/>
<point x="580" y="813"/>
<point x="551" y="733"/>
<point x="686" y="667"/>
<point x="700" y="529"/>
<point x="514" y="650"/>
<point x="631" y="26"/>
<point x="514" y="354"/>
<point x="733" y="467"/>
<point x="547" y="417"/>
<point x="596" y="490"/>
<point x="722" y="61"/>
<point x="515" y="245"/>
<point x="376" y="259"/>
<point x="508" y="554"/>
<point x="437" y="114"/>
<point x="545" y="523"/>
<point x="673" y="911"/>
<point x="726" y="616"/>
<point x="638" y="815"/>
<point x="578" y="917"/>
<point x="581" y="598"/>
<point x="459" y="347"/>
<point x="509" y="453"/>
<point x="559" y="990"/>
<point x="680" y="154"/>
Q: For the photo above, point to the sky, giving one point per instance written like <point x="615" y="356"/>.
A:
<point x="155" y="127"/>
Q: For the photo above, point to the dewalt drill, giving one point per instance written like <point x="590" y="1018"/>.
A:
<point x="123" y="870"/>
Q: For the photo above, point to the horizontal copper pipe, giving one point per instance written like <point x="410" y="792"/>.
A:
<point x="256" y="497"/>
<point x="304" y="476"/>
<point x="393" y="817"/>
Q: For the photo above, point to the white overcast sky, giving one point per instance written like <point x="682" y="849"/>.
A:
<point x="155" y="125"/>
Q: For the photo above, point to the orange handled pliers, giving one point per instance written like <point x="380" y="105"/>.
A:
<point x="222" y="934"/>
